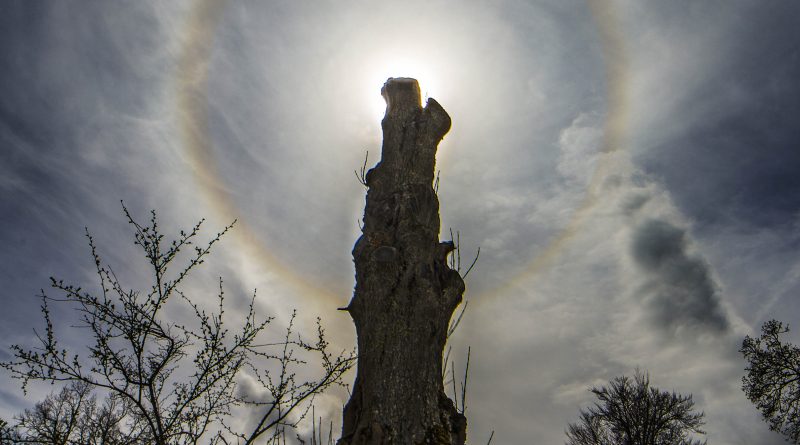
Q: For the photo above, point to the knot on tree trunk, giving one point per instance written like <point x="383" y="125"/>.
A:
<point x="405" y="292"/>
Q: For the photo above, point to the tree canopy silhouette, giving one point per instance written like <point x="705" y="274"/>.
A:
<point x="772" y="379"/>
<point x="631" y="412"/>
<point x="73" y="416"/>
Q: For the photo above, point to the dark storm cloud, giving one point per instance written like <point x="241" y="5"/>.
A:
<point x="679" y="291"/>
<point x="738" y="161"/>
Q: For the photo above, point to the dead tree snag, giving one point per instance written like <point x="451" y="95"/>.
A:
<point x="405" y="292"/>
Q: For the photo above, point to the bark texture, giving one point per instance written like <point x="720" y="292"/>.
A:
<point x="405" y="292"/>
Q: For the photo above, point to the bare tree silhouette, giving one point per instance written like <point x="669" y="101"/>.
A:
<point x="772" y="379"/>
<point x="174" y="383"/>
<point x="631" y="412"/>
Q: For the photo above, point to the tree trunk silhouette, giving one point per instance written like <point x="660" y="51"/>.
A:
<point x="405" y="293"/>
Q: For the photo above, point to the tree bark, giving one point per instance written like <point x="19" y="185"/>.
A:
<point x="405" y="293"/>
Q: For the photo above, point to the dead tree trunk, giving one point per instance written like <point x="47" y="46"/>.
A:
<point x="405" y="293"/>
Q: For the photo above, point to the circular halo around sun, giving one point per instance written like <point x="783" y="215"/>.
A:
<point x="193" y="112"/>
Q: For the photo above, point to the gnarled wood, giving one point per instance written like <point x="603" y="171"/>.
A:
<point x="405" y="293"/>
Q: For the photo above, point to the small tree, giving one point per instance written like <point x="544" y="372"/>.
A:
<point x="175" y="382"/>
<point x="73" y="417"/>
<point x="631" y="412"/>
<point x="772" y="379"/>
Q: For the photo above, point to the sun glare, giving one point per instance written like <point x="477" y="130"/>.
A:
<point x="399" y="67"/>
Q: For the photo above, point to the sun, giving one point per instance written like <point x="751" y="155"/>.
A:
<point x="425" y="73"/>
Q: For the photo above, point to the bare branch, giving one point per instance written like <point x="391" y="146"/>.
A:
<point x="174" y="383"/>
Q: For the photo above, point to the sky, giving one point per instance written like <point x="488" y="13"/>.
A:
<point x="627" y="168"/>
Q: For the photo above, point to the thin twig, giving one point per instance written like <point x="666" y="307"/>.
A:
<point x="474" y="260"/>
<point x="457" y="321"/>
<point x="362" y="175"/>
<point x="455" y="394"/>
<point x="464" y="384"/>
<point x="446" y="362"/>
